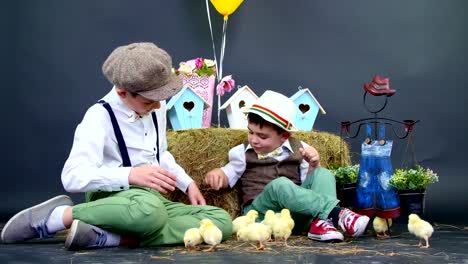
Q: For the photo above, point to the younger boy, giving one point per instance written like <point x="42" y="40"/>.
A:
<point x="278" y="171"/>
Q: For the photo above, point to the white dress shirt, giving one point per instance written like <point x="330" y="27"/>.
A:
<point x="95" y="163"/>
<point x="237" y="164"/>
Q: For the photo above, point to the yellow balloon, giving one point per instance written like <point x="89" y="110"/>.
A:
<point x="226" y="7"/>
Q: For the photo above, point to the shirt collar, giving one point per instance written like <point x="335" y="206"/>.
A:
<point x="113" y="98"/>
<point x="286" y="144"/>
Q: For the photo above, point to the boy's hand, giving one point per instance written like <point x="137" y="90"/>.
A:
<point x="194" y="195"/>
<point x="216" y="179"/>
<point x="311" y="155"/>
<point x="153" y="177"/>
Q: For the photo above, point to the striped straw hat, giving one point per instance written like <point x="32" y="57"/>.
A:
<point x="276" y="109"/>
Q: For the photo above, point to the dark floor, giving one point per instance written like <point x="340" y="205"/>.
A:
<point x="449" y="244"/>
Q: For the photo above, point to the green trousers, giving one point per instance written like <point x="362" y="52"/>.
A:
<point x="146" y="215"/>
<point x="316" y="197"/>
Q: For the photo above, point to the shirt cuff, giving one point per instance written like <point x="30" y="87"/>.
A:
<point x="230" y="175"/>
<point x="118" y="181"/>
<point x="183" y="183"/>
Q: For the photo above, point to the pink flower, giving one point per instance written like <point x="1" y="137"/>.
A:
<point x="191" y="64"/>
<point x="199" y="63"/>
<point x="225" y="85"/>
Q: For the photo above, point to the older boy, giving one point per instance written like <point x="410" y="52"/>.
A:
<point x="278" y="171"/>
<point x="120" y="159"/>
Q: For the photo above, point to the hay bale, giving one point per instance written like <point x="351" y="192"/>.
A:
<point x="201" y="150"/>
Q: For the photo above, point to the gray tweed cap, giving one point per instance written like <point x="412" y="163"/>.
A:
<point x="142" y="68"/>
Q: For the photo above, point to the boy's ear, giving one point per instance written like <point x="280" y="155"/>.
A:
<point x="285" y="135"/>
<point x="121" y="92"/>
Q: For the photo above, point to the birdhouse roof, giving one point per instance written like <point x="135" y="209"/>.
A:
<point x="239" y="91"/>
<point x="304" y="91"/>
<point x="177" y="96"/>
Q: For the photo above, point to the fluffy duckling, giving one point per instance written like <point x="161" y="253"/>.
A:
<point x="420" y="228"/>
<point x="244" y="220"/>
<point x="381" y="227"/>
<point x="210" y="233"/>
<point x="255" y="232"/>
<point x="192" y="238"/>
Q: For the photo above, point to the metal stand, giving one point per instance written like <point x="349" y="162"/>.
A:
<point x="406" y="125"/>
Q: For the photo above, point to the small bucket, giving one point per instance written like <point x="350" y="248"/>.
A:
<point x="412" y="202"/>
<point x="346" y="193"/>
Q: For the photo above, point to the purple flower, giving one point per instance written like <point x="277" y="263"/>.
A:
<point x="225" y="85"/>
<point x="199" y="63"/>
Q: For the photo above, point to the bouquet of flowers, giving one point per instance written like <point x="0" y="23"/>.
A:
<point x="198" y="66"/>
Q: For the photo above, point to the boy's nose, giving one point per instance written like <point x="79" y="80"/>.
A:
<point x="156" y="105"/>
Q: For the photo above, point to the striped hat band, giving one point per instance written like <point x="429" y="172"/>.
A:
<point x="277" y="118"/>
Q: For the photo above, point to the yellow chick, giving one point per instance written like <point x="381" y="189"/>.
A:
<point x="210" y="233"/>
<point x="420" y="228"/>
<point x="282" y="230"/>
<point x="285" y="215"/>
<point x="242" y="234"/>
<point x="381" y="227"/>
<point x="192" y="238"/>
<point x="270" y="219"/>
<point x="255" y="232"/>
<point x="244" y="220"/>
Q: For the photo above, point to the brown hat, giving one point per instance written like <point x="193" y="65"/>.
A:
<point x="142" y="68"/>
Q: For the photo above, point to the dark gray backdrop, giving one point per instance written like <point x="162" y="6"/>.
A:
<point x="52" y="53"/>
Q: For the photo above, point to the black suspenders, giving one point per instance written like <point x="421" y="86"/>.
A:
<point x="120" y="140"/>
<point x="155" y="122"/>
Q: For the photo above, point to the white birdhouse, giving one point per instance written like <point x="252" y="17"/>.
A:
<point x="307" y="109"/>
<point x="243" y="97"/>
<point x="185" y="109"/>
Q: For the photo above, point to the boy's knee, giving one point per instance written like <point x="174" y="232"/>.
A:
<point x="147" y="217"/>
<point x="326" y="174"/>
<point x="278" y="184"/>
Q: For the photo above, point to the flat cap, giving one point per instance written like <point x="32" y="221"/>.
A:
<point x="142" y="68"/>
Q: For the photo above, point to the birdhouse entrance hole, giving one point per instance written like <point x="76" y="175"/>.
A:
<point x="189" y="105"/>
<point x="304" y="108"/>
<point x="241" y="104"/>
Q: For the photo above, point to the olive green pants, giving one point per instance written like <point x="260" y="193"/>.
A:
<point x="316" y="197"/>
<point x="145" y="214"/>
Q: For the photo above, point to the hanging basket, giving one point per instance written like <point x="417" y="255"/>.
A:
<point x="346" y="193"/>
<point x="412" y="201"/>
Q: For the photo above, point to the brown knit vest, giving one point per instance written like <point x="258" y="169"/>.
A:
<point x="259" y="173"/>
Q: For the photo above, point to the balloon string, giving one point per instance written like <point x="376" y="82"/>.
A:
<point x="211" y="33"/>
<point x="221" y="59"/>
<point x="223" y="45"/>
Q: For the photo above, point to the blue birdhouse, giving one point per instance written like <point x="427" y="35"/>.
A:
<point x="185" y="109"/>
<point x="307" y="109"/>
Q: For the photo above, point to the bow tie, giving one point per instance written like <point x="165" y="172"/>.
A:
<point x="134" y="117"/>
<point x="276" y="152"/>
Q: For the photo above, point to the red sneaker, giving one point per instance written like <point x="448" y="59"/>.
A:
<point x="323" y="230"/>
<point x="353" y="223"/>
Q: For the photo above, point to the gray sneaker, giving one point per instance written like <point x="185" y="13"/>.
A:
<point x="31" y="222"/>
<point x="85" y="236"/>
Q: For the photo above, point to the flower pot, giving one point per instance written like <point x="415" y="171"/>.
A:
<point x="346" y="193"/>
<point x="412" y="202"/>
